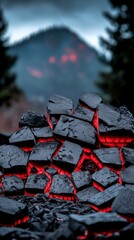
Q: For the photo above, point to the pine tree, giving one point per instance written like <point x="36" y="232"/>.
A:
<point x="8" y="89"/>
<point x="117" y="82"/>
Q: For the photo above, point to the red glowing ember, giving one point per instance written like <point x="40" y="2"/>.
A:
<point x="69" y="56"/>
<point x="52" y="59"/>
<point x="35" y="72"/>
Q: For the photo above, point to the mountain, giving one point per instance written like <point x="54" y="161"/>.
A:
<point x="55" y="61"/>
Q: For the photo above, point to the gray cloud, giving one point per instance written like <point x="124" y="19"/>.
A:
<point x="65" y="5"/>
<point x="83" y="16"/>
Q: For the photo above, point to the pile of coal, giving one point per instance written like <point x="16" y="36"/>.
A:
<point x="69" y="173"/>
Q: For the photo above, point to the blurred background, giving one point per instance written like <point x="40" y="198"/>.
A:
<point x="64" y="47"/>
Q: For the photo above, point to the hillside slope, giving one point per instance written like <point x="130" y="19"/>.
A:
<point x="55" y="61"/>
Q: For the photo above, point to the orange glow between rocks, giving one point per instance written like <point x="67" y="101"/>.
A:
<point x="66" y="198"/>
<point x="39" y="167"/>
<point x="29" y="194"/>
<point x="51" y="139"/>
<point x="86" y="150"/>
<point x="128" y="218"/>
<point x="61" y="171"/>
<point x="122" y="158"/>
<point x="27" y="149"/>
<point x="98" y="186"/>
<point x="95" y="121"/>
<point x="96" y="160"/>
<point x="115" y="141"/>
<point x="49" y="120"/>
<point x="16" y="222"/>
<point x="105" y="209"/>
<point x="80" y="162"/>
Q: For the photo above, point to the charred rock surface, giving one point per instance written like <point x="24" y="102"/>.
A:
<point x="68" y="156"/>
<point x="81" y="179"/>
<point x="106" y="196"/>
<point x="36" y="183"/>
<point x="12" y="185"/>
<point x="12" y="159"/>
<point x="124" y="202"/>
<point x="105" y="177"/>
<point x="42" y="152"/>
<point x="83" y="114"/>
<point x="61" y="185"/>
<point x="91" y="100"/>
<point x="99" y="221"/>
<point x="22" y="137"/>
<point x="11" y="210"/>
<point x="127" y="174"/>
<point x="76" y="130"/>
<point x="59" y="105"/>
<point x="33" y="119"/>
<point x="44" y="132"/>
<point x="86" y="194"/>
<point x="69" y="174"/>
<point x="128" y="154"/>
<point x="109" y="156"/>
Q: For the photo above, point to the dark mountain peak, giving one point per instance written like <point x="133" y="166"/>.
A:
<point x="54" y="34"/>
<point x="56" y="60"/>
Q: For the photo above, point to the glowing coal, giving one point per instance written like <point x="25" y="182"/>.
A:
<point x="68" y="161"/>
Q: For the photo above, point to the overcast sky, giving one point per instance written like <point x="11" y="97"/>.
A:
<point x="83" y="16"/>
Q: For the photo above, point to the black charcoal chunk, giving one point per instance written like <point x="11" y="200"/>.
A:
<point x="58" y="105"/>
<point x="42" y="152"/>
<point x="83" y="114"/>
<point x="105" y="177"/>
<point x="81" y="179"/>
<point x="12" y="233"/>
<point x="51" y="171"/>
<point x="11" y="210"/>
<point x="128" y="154"/>
<point x="91" y="100"/>
<point x="61" y="185"/>
<point x="76" y="130"/>
<point x="127" y="231"/>
<point x="85" y="194"/>
<point x="32" y="119"/>
<point x="99" y="221"/>
<point x="124" y="202"/>
<point x="90" y="166"/>
<point x="68" y="156"/>
<point x="44" y="132"/>
<point x="12" y="185"/>
<point x="108" y="114"/>
<point x="127" y="174"/>
<point x="110" y="156"/>
<point x="23" y="137"/>
<point x="12" y="159"/>
<point x="53" y="121"/>
<point x="115" y="120"/>
<point x="106" y="196"/>
<point x="4" y="138"/>
<point x="36" y="183"/>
